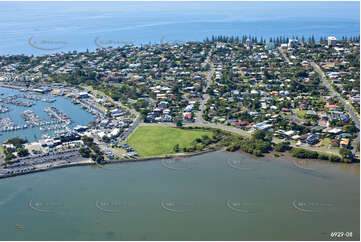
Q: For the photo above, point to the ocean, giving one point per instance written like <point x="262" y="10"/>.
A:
<point x="36" y="28"/>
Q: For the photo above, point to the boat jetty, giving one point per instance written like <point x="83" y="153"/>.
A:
<point x="7" y="124"/>
<point x="31" y="119"/>
<point x="57" y="115"/>
<point x="91" y="108"/>
<point x="14" y="100"/>
<point x="3" y="109"/>
<point x="36" y="98"/>
<point x="54" y="127"/>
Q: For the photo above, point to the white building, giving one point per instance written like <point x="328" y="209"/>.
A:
<point x="115" y="132"/>
<point x="292" y="43"/>
<point x="332" y="40"/>
<point x="83" y="95"/>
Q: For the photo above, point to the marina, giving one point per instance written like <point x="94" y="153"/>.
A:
<point x="32" y="116"/>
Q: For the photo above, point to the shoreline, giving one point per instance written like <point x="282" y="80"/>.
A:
<point x="194" y="125"/>
<point x="90" y="163"/>
<point x="47" y="169"/>
<point x="283" y="156"/>
<point x="272" y="155"/>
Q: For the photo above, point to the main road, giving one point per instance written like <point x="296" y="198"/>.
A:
<point x="205" y="97"/>
<point x="347" y="106"/>
<point x="284" y="56"/>
<point x="336" y="94"/>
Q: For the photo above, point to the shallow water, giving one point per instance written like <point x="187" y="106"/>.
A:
<point x="215" y="196"/>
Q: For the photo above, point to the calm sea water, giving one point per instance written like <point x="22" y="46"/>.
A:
<point x="216" y="196"/>
<point x="78" y="115"/>
<point x="70" y="26"/>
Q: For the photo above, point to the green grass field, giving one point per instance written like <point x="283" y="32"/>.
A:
<point x="157" y="140"/>
<point x="301" y="113"/>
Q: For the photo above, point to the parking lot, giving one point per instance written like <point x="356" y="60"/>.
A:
<point x="43" y="161"/>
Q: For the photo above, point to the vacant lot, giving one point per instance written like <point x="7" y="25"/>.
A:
<point x="153" y="141"/>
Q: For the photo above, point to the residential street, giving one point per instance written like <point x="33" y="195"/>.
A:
<point x="349" y="109"/>
<point x="284" y="56"/>
<point x="198" y="118"/>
